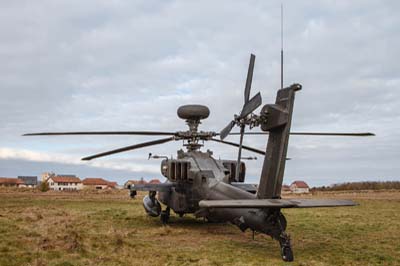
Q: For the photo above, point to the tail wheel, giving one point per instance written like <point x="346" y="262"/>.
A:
<point x="287" y="253"/>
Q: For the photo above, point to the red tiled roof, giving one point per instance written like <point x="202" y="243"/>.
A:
<point x="112" y="184"/>
<point x="154" y="181"/>
<point x="9" y="180"/>
<point x="137" y="182"/>
<point x="300" y="184"/>
<point x="66" y="179"/>
<point x="95" y="181"/>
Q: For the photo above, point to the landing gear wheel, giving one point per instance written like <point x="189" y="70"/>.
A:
<point x="165" y="216"/>
<point x="282" y="221"/>
<point x="286" y="247"/>
<point x="287" y="253"/>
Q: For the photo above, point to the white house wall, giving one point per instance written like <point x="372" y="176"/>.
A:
<point x="71" y="186"/>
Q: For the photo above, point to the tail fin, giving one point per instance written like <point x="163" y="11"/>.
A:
<point x="277" y="120"/>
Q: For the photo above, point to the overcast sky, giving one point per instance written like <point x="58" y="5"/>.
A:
<point x="128" y="65"/>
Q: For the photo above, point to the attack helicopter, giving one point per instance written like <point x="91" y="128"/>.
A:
<point x="215" y="189"/>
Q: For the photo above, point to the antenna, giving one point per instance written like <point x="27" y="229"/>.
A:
<point x="281" y="46"/>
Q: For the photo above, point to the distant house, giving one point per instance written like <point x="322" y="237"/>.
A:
<point x="286" y="189"/>
<point x="64" y="182"/>
<point x="299" y="187"/>
<point x="47" y="175"/>
<point x="11" y="182"/>
<point x="30" y="181"/>
<point x="97" y="183"/>
<point x="65" y="175"/>
<point x="113" y="185"/>
<point x="154" y="181"/>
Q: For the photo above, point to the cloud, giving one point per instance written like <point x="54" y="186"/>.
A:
<point x="40" y="157"/>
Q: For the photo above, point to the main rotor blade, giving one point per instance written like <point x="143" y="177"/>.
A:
<point x="249" y="78"/>
<point x="146" y="133"/>
<point x="237" y="145"/>
<point x="128" y="148"/>
<point x="251" y="105"/>
<point x="224" y="132"/>
<point x="363" y="134"/>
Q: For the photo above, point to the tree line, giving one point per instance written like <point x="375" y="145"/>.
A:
<point x="365" y="185"/>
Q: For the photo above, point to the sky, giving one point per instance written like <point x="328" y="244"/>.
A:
<point x="128" y="65"/>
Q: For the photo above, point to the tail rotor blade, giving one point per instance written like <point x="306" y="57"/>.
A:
<point x="249" y="78"/>
<point x="239" y="153"/>
<point x="128" y="148"/>
<point x="224" y="132"/>
<point x="251" y="105"/>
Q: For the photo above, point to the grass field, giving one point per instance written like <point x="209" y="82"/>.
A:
<point x="109" y="228"/>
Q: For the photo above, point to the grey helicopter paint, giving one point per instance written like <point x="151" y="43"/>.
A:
<point x="199" y="184"/>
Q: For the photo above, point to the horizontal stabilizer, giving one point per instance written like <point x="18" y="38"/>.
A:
<point x="276" y="203"/>
<point x="164" y="187"/>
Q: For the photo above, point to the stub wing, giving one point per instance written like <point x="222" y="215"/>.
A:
<point x="276" y="203"/>
<point x="163" y="187"/>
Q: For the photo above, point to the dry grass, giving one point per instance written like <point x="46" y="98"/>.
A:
<point x="109" y="228"/>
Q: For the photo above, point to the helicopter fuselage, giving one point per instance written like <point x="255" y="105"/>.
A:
<point x="196" y="176"/>
<point x="193" y="176"/>
<point x="214" y="189"/>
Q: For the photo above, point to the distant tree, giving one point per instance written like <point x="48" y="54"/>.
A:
<point x="366" y="185"/>
<point x="44" y="186"/>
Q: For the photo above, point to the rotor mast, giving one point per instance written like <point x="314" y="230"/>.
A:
<point x="192" y="140"/>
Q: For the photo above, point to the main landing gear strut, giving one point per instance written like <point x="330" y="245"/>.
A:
<point x="284" y="239"/>
<point x="278" y="222"/>
<point x="165" y="216"/>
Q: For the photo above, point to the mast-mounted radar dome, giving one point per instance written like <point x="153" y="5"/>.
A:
<point x="193" y="112"/>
